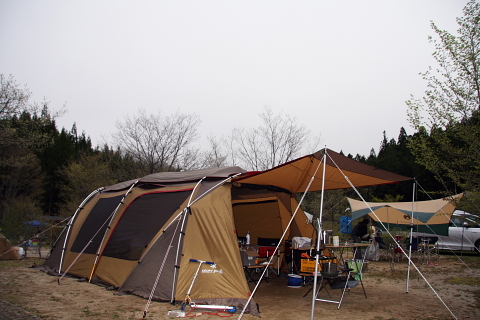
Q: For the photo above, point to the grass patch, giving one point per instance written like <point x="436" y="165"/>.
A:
<point x="26" y="263"/>
<point x="469" y="281"/>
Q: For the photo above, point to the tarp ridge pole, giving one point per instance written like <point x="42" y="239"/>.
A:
<point x="401" y="249"/>
<point x="99" y="250"/>
<point x="281" y="239"/>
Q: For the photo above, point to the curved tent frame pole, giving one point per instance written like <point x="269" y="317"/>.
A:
<point x="97" y="255"/>
<point x="70" y="223"/>
<point x="180" y="236"/>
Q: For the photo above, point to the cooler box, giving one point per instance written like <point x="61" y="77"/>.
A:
<point x="249" y="257"/>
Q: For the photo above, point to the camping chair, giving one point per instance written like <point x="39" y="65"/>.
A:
<point x="34" y="247"/>
<point x="267" y="249"/>
<point x="265" y="254"/>
<point x="428" y="248"/>
<point x="345" y="280"/>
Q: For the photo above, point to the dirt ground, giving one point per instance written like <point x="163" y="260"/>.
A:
<point x="456" y="284"/>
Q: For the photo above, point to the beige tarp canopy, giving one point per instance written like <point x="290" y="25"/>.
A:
<point x="432" y="216"/>
<point x="295" y="175"/>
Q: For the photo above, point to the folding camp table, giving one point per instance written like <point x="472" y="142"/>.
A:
<point x="251" y="271"/>
<point x="341" y="249"/>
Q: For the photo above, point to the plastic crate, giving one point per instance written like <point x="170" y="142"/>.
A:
<point x="308" y="266"/>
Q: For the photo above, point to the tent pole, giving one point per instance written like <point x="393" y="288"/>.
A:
<point x="411" y="238"/>
<point x="319" y="235"/>
<point x="70" y="223"/>
<point x="97" y="256"/>
<point x="180" y="236"/>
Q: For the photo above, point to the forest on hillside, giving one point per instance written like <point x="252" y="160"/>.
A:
<point x="48" y="171"/>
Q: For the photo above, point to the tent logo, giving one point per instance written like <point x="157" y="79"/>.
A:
<point x="406" y="217"/>
<point x="212" y="271"/>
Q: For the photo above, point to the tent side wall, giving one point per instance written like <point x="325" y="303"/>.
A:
<point x="211" y="236"/>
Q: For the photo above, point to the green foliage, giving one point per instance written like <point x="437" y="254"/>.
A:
<point x="334" y="204"/>
<point x="81" y="177"/>
<point x="447" y="142"/>
<point x="396" y="156"/>
<point x="16" y="213"/>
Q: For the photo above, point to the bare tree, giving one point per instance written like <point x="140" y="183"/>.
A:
<point x="159" y="142"/>
<point x="13" y="99"/>
<point x="278" y="140"/>
<point x="214" y="157"/>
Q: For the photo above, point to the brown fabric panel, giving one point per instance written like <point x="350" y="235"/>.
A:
<point x="82" y="267"/>
<point x="115" y="271"/>
<point x="301" y="227"/>
<point x="391" y="215"/>
<point x="261" y="219"/>
<point x="210" y="236"/>
<point x="295" y="175"/>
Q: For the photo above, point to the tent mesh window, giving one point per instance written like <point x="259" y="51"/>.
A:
<point x="97" y="217"/>
<point x="141" y="222"/>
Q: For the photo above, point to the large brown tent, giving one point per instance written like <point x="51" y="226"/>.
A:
<point x="140" y="235"/>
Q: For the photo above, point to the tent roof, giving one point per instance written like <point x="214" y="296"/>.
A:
<point x="422" y="210"/>
<point x="296" y="175"/>
<point x="180" y="176"/>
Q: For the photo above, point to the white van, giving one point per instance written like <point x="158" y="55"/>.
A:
<point x="463" y="233"/>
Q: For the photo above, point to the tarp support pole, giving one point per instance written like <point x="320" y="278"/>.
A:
<point x="319" y="235"/>
<point x="411" y="238"/>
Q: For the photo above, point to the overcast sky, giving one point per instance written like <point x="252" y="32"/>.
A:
<point x="344" y="68"/>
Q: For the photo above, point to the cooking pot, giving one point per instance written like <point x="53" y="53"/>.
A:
<point x="329" y="269"/>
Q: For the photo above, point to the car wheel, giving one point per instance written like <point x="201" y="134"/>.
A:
<point x="477" y="246"/>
